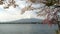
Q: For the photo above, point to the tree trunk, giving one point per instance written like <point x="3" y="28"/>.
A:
<point x="58" y="25"/>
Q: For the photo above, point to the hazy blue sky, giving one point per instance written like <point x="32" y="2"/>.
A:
<point x="12" y="14"/>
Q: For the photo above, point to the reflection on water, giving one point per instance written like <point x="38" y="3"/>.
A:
<point x="27" y="29"/>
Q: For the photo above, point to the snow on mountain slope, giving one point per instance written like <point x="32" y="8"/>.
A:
<point x="12" y="14"/>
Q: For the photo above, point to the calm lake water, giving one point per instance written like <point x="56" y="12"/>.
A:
<point x="27" y="29"/>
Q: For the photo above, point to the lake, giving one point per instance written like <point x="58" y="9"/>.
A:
<point x="28" y="29"/>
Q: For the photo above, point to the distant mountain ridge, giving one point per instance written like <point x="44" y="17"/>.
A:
<point x="24" y="21"/>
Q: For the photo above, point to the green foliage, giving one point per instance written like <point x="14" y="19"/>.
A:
<point x="51" y="2"/>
